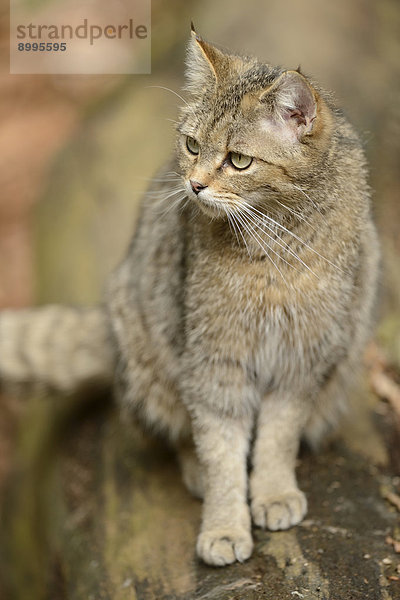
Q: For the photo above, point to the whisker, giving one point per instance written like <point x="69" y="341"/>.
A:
<point x="183" y="206"/>
<point x="161" y="87"/>
<point x="167" y="178"/>
<point x="170" y="193"/>
<point x="256" y="221"/>
<point x="250" y="223"/>
<point x="277" y="224"/>
<point x="231" y="226"/>
<point x="161" y="193"/>
<point x="297" y="214"/>
<point x="233" y="216"/>
<point x="254" y="235"/>
<point x="172" y="205"/>
<point x="261" y="225"/>
<point x="307" y="196"/>
<point x="159" y="197"/>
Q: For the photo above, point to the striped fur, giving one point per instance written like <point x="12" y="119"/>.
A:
<point x="57" y="347"/>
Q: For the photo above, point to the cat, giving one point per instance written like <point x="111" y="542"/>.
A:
<point x="236" y="323"/>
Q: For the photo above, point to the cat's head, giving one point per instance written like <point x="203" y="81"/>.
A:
<point x="248" y="130"/>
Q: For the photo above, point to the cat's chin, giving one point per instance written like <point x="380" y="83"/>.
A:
<point x="211" y="208"/>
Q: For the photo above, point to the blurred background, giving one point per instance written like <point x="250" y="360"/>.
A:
<point x="76" y="152"/>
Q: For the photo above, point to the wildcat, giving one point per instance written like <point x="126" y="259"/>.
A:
<point x="236" y="322"/>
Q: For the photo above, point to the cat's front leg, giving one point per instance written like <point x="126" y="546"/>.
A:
<point x="276" y="501"/>
<point x="222" y="446"/>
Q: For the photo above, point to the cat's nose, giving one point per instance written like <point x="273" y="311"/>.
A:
<point x="196" y="186"/>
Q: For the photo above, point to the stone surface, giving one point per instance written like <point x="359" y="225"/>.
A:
<point x="97" y="510"/>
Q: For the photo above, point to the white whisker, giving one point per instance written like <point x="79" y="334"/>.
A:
<point x="231" y="224"/>
<point x="233" y="216"/>
<point x="251" y="224"/>
<point x="297" y="214"/>
<point x="283" y="228"/>
<point x="161" y="193"/>
<point x="256" y="221"/>
<point x="161" y="87"/>
<point x="307" y="196"/>
<point x="172" y="205"/>
<point x="253" y="234"/>
<point x="169" y="177"/>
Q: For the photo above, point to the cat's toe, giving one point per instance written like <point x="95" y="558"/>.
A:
<point x="219" y="548"/>
<point x="279" y="512"/>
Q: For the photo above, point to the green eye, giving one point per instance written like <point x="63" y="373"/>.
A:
<point x="240" y="161"/>
<point x="192" y="145"/>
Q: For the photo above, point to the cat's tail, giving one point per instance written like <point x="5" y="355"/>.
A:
<point x="57" y="347"/>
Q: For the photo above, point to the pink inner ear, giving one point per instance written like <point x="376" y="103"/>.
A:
<point x="297" y="115"/>
<point x="294" y="108"/>
<point x="294" y="102"/>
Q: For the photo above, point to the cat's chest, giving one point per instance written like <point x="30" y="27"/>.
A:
<point x="261" y="295"/>
<point x="259" y="307"/>
<point x="258" y="294"/>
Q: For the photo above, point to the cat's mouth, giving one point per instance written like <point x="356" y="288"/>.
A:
<point x="207" y="202"/>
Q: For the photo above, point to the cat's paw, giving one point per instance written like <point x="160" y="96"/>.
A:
<point x="221" y="547"/>
<point x="279" y="512"/>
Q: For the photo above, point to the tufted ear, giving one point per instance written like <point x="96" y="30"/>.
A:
<point x="293" y="103"/>
<point x="205" y="63"/>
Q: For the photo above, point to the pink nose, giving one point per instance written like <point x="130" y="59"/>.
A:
<point x="196" y="186"/>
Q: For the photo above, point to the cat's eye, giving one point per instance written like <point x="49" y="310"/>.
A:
<point x="192" y="145"/>
<point x="240" y="161"/>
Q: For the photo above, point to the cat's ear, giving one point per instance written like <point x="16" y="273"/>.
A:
<point x="205" y="63"/>
<point x="292" y="102"/>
